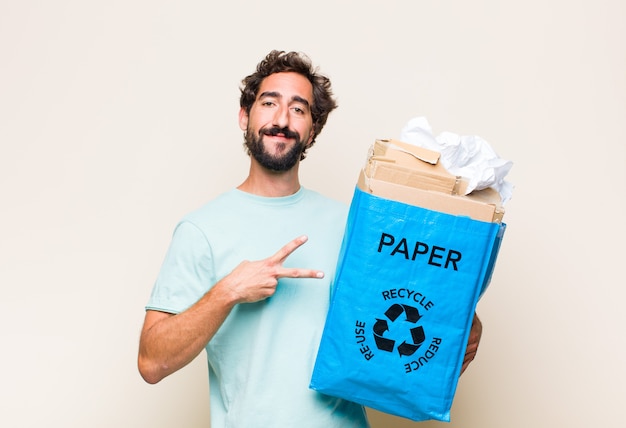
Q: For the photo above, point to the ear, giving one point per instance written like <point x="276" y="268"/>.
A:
<point x="311" y="135"/>
<point x="243" y="119"/>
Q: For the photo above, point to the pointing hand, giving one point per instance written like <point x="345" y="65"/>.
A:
<point x="257" y="280"/>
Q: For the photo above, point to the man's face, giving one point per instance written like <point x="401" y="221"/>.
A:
<point x="279" y="126"/>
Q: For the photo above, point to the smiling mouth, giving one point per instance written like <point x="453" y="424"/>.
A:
<point x="280" y="132"/>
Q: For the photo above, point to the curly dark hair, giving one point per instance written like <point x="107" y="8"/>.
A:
<point x="281" y="61"/>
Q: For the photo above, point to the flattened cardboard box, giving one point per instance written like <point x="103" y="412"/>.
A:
<point x="413" y="175"/>
<point x="483" y="205"/>
<point x="402" y="163"/>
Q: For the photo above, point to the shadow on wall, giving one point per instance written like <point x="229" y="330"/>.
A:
<point x="382" y="420"/>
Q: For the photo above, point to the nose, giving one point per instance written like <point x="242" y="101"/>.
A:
<point x="281" y="117"/>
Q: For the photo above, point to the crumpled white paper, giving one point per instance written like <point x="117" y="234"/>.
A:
<point x="470" y="157"/>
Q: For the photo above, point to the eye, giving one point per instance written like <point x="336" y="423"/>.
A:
<point x="300" y="110"/>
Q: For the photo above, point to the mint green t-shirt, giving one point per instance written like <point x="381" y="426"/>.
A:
<point x="261" y="359"/>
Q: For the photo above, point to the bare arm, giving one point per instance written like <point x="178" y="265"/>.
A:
<point x="473" y="342"/>
<point x="169" y="342"/>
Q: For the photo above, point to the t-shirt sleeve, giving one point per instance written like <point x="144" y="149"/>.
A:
<point x="187" y="272"/>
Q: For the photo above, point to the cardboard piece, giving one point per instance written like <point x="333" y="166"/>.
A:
<point x="413" y="175"/>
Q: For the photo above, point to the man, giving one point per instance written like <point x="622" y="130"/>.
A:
<point x="260" y="321"/>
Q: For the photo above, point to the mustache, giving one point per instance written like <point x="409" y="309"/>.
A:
<point x="275" y="130"/>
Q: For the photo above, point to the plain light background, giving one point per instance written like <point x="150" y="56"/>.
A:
<point x="118" y="117"/>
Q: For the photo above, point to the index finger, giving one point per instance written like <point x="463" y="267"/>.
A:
<point x="286" y="251"/>
<point x="299" y="273"/>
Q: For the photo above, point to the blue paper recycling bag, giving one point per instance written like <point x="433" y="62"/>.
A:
<point x="407" y="283"/>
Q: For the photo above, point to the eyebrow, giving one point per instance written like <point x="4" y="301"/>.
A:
<point x="274" y="94"/>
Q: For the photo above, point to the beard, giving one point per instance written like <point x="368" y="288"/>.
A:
<point x="277" y="163"/>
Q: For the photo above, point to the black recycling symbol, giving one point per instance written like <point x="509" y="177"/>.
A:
<point x="417" y="333"/>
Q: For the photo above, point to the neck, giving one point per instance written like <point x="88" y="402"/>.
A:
<point x="263" y="182"/>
